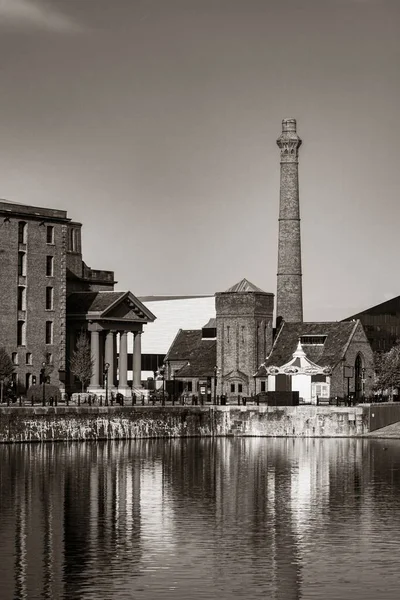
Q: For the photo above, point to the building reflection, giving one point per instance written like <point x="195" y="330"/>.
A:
<point x="78" y="516"/>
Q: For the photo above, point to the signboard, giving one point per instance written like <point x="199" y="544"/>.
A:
<point x="348" y="371"/>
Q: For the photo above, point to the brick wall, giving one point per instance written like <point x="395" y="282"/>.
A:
<point x="35" y="282"/>
<point x="244" y="338"/>
<point x="359" y="344"/>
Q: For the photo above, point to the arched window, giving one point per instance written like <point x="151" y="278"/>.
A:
<point x="359" y="376"/>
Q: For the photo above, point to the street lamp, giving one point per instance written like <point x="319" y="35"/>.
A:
<point x="162" y="373"/>
<point x="106" y="367"/>
<point x="43" y="375"/>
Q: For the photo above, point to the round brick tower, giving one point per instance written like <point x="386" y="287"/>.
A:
<point x="289" y="297"/>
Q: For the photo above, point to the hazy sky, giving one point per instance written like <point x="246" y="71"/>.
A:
<point x="153" y="122"/>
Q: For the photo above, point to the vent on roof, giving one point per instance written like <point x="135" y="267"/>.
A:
<point x="312" y="340"/>
<point x="208" y="333"/>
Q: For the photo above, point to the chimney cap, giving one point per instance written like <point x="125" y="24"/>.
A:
<point x="288" y="125"/>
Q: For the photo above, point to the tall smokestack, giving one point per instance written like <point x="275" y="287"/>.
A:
<point x="289" y="297"/>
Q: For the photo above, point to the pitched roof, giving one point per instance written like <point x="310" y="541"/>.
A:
<point x="106" y="302"/>
<point x="201" y="354"/>
<point x="83" y="302"/>
<point x="212" y="324"/>
<point x="244" y="286"/>
<point x="327" y="354"/>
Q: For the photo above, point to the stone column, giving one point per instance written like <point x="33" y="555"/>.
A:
<point x="137" y="359"/>
<point x="123" y="360"/>
<point x="109" y="356"/>
<point x="95" y="351"/>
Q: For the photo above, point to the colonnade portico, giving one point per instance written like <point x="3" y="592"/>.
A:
<point x="103" y="344"/>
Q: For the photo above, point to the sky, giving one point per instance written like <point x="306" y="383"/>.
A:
<point x="154" y="123"/>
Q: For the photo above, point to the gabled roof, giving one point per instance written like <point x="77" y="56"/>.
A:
<point x="108" y="305"/>
<point x="200" y="354"/>
<point x="83" y="302"/>
<point x="244" y="286"/>
<point x="328" y="354"/>
<point x="212" y="324"/>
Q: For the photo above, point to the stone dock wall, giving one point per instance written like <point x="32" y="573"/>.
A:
<point x="38" y="424"/>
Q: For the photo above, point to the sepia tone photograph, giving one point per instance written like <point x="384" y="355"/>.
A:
<point x="199" y="310"/>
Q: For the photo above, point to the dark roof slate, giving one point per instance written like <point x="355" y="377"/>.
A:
<point x="201" y="354"/>
<point x="244" y="286"/>
<point x="338" y="335"/>
<point x="212" y="324"/>
<point x="83" y="302"/>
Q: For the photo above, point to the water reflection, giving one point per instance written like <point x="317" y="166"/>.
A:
<point x="201" y="518"/>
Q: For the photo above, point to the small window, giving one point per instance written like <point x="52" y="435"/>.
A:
<point x="189" y="386"/>
<point x="232" y="388"/>
<point x="49" y="266"/>
<point x="49" y="298"/>
<point x="313" y="340"/>
<point x="49" y="332"/>
<point x="21" y="264"/>
<point x="28" y="358"/>
<point x="50" y="234"/>
<point x="21" y="298"/>
<point x="14" y="358"/>
<point x="21" y="333"/>
<point x="263" y="386"/>
<point x="240" y="388"/>
<point x="22" y="232"/>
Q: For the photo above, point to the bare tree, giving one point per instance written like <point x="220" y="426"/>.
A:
<point x="6" y="370"/>
<point x="81" y="361"/>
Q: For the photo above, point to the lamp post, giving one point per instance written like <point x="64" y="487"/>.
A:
<point x="43" y="374"/>
<point x="162" y="371"/>
<point x="215" y="384"/>
<point x="106" y="367"/>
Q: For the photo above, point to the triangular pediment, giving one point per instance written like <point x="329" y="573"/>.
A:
<point x="235" y="375"/>
<point x="128" y="308"/>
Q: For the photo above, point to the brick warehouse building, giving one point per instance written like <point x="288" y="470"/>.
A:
<point x="42" y="273"/>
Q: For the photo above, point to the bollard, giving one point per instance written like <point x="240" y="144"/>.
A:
<point x="79" y="399"/>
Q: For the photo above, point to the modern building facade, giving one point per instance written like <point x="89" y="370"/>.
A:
<point x="49" y="296"/>
<point x="381" y="324"/>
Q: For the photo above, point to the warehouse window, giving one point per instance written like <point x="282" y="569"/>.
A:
<point x="49" y="332"/>
<point x="49" y="266"/>
<point x="22" y="229"/>
<point x="21" y="333"/>
<point x="49" y="298"/>
<point x="21" y="298"/>
<point x="21" y="264"/>
<point x="50" y="234"/>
